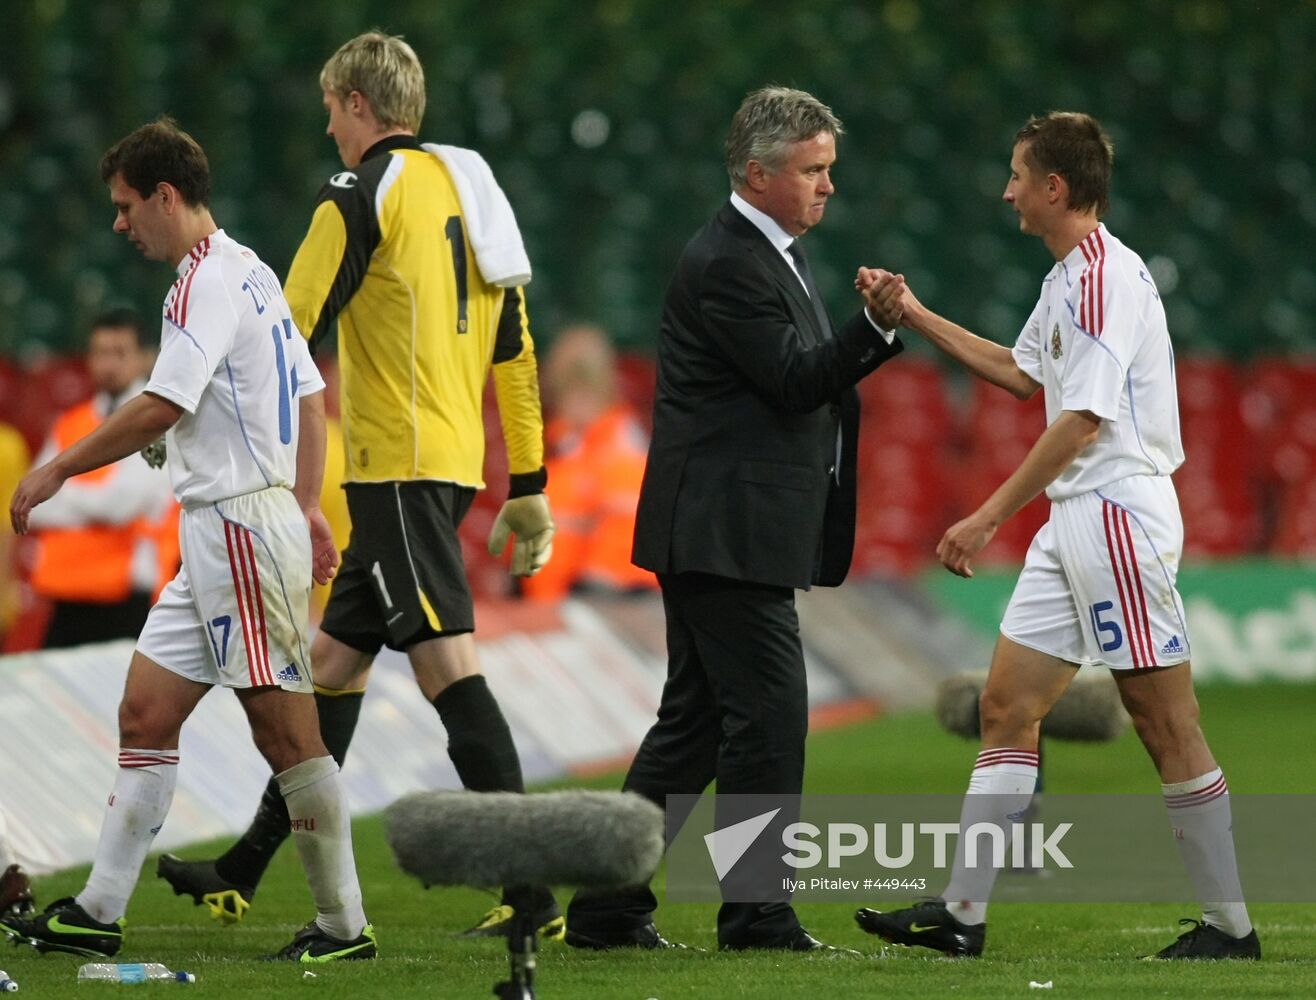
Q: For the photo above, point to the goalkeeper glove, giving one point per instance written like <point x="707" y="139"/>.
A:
<point x="154" y="453"/>
<point x="528" y="518"/>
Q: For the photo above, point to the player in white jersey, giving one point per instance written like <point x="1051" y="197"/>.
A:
<point x="241" y="406"/>
<point x="1098" y="584"/>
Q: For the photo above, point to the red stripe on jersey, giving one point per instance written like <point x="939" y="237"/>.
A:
<point x="1101" y="282"/>
<point x="1091" y="308"/>
<point x="197" y="253"/>
<point x="183" y="296"/>
<point x="1117" y="568"/>
<point x="1093" y="266"/>
<point x="171" y="302"/>
<point x="260" y="605"/>
<point x="1083" y="289"/>
<point x="240" y="594"/>
<point x="1142" y="597"/>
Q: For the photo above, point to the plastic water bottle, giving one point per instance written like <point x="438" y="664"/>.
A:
<point x="131" y="972"/>
<point x="7" y="985"/>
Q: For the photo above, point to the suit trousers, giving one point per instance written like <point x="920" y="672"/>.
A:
<point x="734" y="710"/>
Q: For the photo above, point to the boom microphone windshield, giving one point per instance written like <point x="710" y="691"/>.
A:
<point x="1089" y="710"/>
<point x="543" y="838"/>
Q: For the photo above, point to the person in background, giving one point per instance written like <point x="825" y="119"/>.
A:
<point x="596" y="448"/>
<point x="108" y="541"/>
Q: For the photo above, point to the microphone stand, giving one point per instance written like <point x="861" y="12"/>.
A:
<point x="522" y="943"/>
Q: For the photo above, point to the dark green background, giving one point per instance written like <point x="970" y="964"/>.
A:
<point x="1209" y="102"/>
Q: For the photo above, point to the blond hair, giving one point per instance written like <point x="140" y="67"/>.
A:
<point x="385" y="71"/>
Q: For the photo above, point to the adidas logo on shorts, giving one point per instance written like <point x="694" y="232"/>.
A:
<point x="1173" y="646"/>
<point x="289" y="673"/>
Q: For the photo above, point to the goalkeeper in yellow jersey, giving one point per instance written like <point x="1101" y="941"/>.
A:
<point x="415" y="252"/>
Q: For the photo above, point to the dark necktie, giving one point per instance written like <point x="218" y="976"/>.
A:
<point x="802" y="268"/>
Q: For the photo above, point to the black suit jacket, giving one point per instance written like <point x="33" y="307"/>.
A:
<point x="741" y="478"/>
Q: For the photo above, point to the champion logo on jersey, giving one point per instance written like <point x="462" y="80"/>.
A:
<point x="289" y="673"/>
<point x="1173" y="646"/>
<point x="346" y="179"/>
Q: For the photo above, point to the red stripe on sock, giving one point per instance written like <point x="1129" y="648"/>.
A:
<point x="1212" y="791"/>
<point x="1006" y="755"/>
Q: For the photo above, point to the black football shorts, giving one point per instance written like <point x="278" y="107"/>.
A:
<point x="402" y="579"/>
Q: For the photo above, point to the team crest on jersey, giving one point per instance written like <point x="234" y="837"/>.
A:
<point x="1055" y="343"/>
<point x="345" y="179"/>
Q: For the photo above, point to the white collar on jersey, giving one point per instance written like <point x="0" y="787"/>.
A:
<point x="197" y="252"/>
<point x="1090" y="247"/>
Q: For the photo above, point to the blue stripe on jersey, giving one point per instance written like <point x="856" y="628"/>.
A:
<point x="242" y="426"/>
<point x="170" y="321"/>
<point x="1133" y="416"/>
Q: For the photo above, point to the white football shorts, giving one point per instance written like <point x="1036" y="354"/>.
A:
<point x="236" y="613"/>
<point x="1098" y="584"/>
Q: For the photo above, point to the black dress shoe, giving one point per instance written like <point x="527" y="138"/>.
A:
<point x="642" y="937"/>
<point x="797" y="940"/>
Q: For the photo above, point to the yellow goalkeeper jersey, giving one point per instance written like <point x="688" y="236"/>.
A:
<point x="418" y="326"/>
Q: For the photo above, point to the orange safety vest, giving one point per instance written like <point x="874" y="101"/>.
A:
<point x="594" y="481"/>
<point x="93" y="563"/>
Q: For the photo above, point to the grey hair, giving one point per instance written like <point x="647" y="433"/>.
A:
<point x="769" y="121"/>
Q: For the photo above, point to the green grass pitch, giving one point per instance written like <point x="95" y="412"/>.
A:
<point x="1260" y="734"/>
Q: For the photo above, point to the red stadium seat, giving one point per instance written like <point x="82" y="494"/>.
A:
<point x="998" y="420"/>
<point x="637" y="378"/>
<point x="1272" y="391"/>
<point x="11" y="379"/>
<point x="47" y="389"/>
<point x="906" y="399"/>
<point x="1206" y="385"/>
<point x="1295" y="523"/>
<point x="1221" y="515"/>
<point x="901" y="503"/>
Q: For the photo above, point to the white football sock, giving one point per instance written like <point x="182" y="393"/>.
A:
<point x="1000" y="789"/>
<point x="322" y="831"/>
<point x="137" y="808"/>
<point x="1203" y="828"/>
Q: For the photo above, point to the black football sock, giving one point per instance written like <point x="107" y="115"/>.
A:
<point x="245" y="862"/>
<point x="481" y="748"/>
<point x="479" y="741"/>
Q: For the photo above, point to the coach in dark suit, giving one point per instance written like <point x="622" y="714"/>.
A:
<point x="749" y="494"/>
